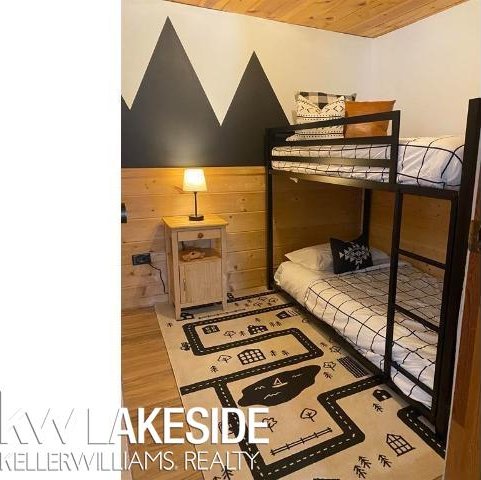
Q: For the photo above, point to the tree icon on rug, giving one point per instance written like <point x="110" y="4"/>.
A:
<point x="361" y="469"/>
<point x="364" y="462"/>
<point x="308" y="414"/>
<point x="331" y="365"/>
<point x="226" y="474"/>
<point x="384" y="461"/>
<point x="224" y="358"/>
<point x="270" y="423"/>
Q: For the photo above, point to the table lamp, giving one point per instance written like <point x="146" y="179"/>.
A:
<point x="194" y="181"/>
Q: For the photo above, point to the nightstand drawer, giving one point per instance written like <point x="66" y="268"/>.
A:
<point x="205" y="234"/>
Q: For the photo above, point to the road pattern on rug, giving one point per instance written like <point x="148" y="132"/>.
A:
<point x="329" y="418"/>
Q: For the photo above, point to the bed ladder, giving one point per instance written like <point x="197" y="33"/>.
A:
<point x="393" y="307"/>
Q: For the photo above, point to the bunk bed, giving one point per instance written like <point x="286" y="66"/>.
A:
<point x="413" y="349"/>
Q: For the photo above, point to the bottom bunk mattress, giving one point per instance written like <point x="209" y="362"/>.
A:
<point x="355" y="305"/>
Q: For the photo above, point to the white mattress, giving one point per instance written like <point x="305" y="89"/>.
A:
<point x="355" y="304"/>
<point x="424" y="161"/>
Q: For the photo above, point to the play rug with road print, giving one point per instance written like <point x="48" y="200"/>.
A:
<point x="329" y="418"/>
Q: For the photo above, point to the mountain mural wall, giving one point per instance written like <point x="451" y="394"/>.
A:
<point x="172" y="124"/>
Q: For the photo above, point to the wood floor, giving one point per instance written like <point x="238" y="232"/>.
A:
<point x="148" y="381"/>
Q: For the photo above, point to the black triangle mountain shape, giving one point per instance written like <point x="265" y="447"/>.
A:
<point x="254" y="108"/>
<point x="172" y="124"/>
<point x="171" y="118"/>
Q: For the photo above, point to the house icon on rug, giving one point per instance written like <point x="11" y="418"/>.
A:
<point x="210" y="329"/>
<point x="381" y="395"/>
<point x="251" y="355"/>
<point x="253" y="329"/>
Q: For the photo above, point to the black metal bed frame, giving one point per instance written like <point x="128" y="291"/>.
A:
<point x="456" y="252"/>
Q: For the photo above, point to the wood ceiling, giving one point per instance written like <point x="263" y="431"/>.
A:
<point x="367" y="18"/>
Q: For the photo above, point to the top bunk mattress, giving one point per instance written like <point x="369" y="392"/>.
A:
<point x="434" y="162"/>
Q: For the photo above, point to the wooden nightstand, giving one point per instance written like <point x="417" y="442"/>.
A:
<point x="199" y="281"/>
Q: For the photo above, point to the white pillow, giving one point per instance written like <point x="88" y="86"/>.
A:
<point x="308" y="112"/>
<point x="319" y="257"/>
<point x="379" y="257"/>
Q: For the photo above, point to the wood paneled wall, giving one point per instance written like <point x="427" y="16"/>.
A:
<point x="237" y="194"/>
<point x="308" y="213"/>
<point x="424" y="228"/>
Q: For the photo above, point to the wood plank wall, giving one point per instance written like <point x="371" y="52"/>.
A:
<point x="308" y="213"/>
<point x="424" y="228"/>
<point x="238" y="194"/>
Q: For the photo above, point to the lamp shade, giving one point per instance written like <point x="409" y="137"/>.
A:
<point x="194" y="180"/>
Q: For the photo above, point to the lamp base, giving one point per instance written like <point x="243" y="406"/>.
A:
<point x="196" y="218"/>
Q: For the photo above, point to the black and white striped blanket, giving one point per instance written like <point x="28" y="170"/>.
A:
<point x="355" y="304"/>
<point x="423" y="161"/>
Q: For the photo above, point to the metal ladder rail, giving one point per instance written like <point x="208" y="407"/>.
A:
<point x="438" y="370"/>
<point x="393" y="307"/>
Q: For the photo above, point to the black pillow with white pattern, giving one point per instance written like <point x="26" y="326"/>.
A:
<point x="350" y="256"/>
<point x="308" y="112"/>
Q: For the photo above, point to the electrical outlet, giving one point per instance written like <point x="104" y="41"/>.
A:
<point x="141" y="259"/>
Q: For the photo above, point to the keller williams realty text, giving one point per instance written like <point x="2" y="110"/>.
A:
<point x="100" y="462"/>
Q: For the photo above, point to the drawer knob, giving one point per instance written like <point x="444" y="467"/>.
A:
<point x="200" y="235"/>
